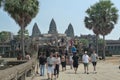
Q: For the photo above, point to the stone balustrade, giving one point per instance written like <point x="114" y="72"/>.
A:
<point x="19" y="72"/>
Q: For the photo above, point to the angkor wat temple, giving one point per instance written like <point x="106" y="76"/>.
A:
<point x="53" y="36"/>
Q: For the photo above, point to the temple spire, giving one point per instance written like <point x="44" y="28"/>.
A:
<point x="35" y="31"/>
<point x="52" y="27"/>
<point x="70" y="31"/>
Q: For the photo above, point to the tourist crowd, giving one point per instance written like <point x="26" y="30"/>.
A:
<point x="54" y="60"/>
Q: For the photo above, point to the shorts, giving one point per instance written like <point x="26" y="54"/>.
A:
<point x="63" y="64"/>
<point x="85" y="64"/>
<point x="50" y="70"/>
<point x="75" y="65"/>
<point x="94" y="63"/>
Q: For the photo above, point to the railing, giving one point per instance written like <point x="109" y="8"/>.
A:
<point x="19" y="72"/>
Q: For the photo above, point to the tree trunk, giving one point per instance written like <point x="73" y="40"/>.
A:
<point x="3" y="51"/>
<point x="97" y="44"/>
<point x="104" y="47"/>
<point x="22" y="42"/>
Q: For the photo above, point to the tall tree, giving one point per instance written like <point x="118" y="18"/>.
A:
<point x="22" y="11"/>
<point x="101" y="18"/>
<point x="91" y="22"/>
<point x="0" y="3"/>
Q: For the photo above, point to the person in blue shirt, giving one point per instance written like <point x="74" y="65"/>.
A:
<point x="74" y="50"/>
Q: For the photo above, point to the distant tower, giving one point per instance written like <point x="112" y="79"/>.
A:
<point x="35" y="31"/>
<point x="52" y="28"/>
<point x="70" y="31"/>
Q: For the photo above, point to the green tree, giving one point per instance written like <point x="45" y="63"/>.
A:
<point x="0" y="3"/>
<point x="100" y="41"/>
<point x="25" y="32"/>
<point x="4" y="37"/>
<point x="18" y="36"/>
<point x="84" y="42"/>
<point x="101" y="18"/>
<point x="22" y="11"/>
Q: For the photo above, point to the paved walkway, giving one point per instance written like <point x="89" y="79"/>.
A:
<point x="105" y="71"/>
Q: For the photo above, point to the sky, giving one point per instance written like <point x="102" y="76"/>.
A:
<point x="63" y="12"/>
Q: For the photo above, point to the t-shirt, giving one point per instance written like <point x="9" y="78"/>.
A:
<point x="51" y="60"/>
<point x="71" y="58"/>
<point x="85" y="58"/>
<point x="93" y="57"/>
<point x="42" y="60"/>
<point x="73" y="50"/>
<point x="57" y="60"/>
<point x="75" y="59"/>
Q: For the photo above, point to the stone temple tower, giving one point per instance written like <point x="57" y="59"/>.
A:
<point x="70" y="31"/>
<point x="52" y="28"/>
<point x="35" y="31"/>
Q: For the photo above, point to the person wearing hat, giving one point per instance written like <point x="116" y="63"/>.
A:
<point x="85" y="60"/>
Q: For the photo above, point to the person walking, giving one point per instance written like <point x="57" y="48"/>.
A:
<point x="71" y="61"/>
<point x="94" y="58"/>
<point x="75" y="62"/>
<point x="50" y="66"/>
<point x="85" y="59"/>
<point x="74" y="50"/>
<point x="63" y="62"/>
<point x="42" y="61"/>
<point x="57" y="63"/>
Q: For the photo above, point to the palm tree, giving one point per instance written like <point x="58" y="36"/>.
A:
<point x="101" y="18"/>
<point x="0" y="2"/>
<point x="90" y="23"/>
<point x="22" y="11"/>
